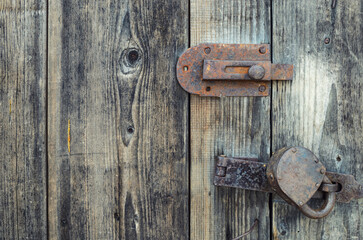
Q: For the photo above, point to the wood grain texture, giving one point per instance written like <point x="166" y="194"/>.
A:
<point x="118" y="120"/>
<point x="22" y="120"/>
<point x="235" y="126"/>
<point x="321" y="109"/>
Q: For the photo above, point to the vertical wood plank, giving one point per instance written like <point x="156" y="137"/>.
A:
<point x="321" y="108"/>
<point x="22" y="120"/>
<point x="235" y="126"/>
<point x="118" y="120"/>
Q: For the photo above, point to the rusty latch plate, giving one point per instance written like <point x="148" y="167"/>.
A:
<point x="218" y="70"/>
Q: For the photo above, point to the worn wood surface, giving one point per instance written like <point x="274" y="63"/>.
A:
<point x="235" y="126"/>
<point x="322" y="109"/>
<point x="23" y="120"/>
<point x="118" y="120"/>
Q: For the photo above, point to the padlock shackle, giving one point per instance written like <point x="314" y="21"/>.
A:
<point x="323" y="211"/>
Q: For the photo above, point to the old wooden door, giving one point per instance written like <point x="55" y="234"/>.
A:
<point x="99" y="141"/>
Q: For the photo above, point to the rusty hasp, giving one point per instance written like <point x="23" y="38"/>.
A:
<point x="295" y="174"/>
<point x="246" y="173"/>
<point x="348" y="187"/>
<point x="230" y="70"/>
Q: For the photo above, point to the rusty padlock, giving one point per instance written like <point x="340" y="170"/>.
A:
<point x="295" y="174"/>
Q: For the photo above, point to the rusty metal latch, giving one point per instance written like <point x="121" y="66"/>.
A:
<point x="218" y="70"/>
<point x="295" y="174"/>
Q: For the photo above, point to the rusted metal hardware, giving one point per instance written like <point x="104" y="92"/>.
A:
<point x="350" y="188"/>
<point x="246" y="173"/>
<point x="218" y="70"/>
<point x="325" y="209"/>
<point x="295" y="174"/>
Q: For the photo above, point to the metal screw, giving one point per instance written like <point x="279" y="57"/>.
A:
<point x="262" y="50"/>
<point x="294" y="150"/>
<point x="207" y="89"/>
<point x="316" y="160"/>
<point x="185" y="68"/>
<point x="271" y="176"/>
<point x="317" y="184"/>
<point x="207" y="50"/>
<point x="262" y="88"/>
<point x="327" y="40"/>
<point x="322" y="171"/>
<point x="300" y="203"/>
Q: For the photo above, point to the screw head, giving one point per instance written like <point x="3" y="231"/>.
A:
<point x="262" y="88"/>
<point x="322" y="171"/>
<point x="316" y="160"/>
<point x="207" y="50"/>
<point x="262" y="50"/>
<point x="293" y="150"/>
<point x="327" y="40"/>
<point x="300" y="203"/>
<point x="317" y="184"/>
<point x="271" y="176"/>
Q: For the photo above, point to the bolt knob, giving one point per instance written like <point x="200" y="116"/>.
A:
<point x="256" y="72"/>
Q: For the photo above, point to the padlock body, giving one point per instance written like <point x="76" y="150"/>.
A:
<point x="295" y="174"/>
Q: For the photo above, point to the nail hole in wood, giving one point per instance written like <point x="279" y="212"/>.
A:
<point x="117" y="216"/>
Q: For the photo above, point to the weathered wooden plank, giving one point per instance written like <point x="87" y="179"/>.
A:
<point x="118" y="120"/>
<point x="234" y="126"/>
<point x="22" y="120"/>
<point x="322" y="108"/>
